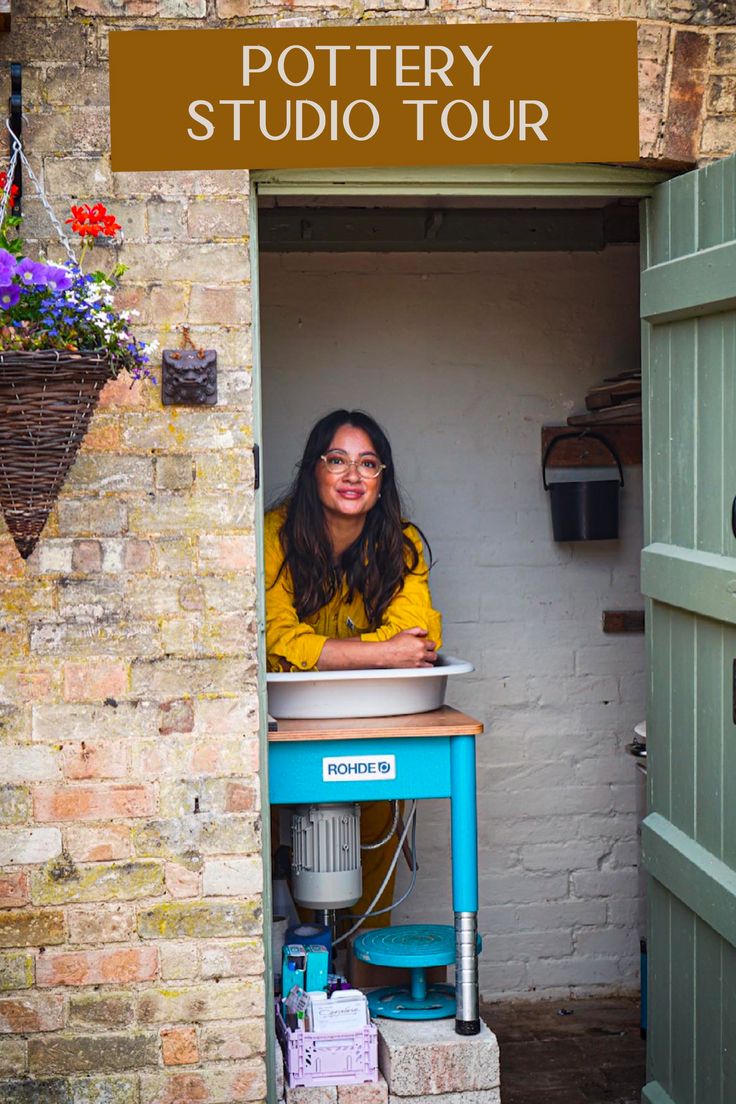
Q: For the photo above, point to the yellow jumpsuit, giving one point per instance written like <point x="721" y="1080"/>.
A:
<point x="295" y="645"/>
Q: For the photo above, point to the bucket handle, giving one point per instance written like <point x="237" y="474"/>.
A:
<point x="578" y="434"/>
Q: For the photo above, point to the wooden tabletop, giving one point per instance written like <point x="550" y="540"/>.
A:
<point x="445" y="721"/>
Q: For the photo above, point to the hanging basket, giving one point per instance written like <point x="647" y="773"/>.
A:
<point x="46" y="401"/>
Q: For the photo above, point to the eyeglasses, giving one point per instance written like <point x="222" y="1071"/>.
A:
<point x="339" y="463"/>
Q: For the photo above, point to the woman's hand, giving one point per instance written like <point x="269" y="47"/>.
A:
<point x="411" y="648"/>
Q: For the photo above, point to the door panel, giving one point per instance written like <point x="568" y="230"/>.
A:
<point x="689" y="578"/>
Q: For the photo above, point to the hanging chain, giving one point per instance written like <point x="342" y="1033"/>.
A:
<point x="17" y="152"/>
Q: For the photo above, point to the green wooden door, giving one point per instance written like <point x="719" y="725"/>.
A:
<point x="689" y="579"/>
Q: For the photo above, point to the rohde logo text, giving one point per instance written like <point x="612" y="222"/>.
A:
<point x="359" y="768"/>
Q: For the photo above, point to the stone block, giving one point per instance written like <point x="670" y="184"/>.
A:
<point x="64" y="882"/>
<point x="481" y="1096"/>
<point x="319" y="1094"/>
<point x="24" y="928"/>
<point x="370" y="1093"/>
<point x="16" y="971"/>
<point x="199" y="920"/>
<point x="420" y="1058"/>
<point x="19" y="846"/>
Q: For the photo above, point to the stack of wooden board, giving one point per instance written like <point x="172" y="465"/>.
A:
<point x="616" y="401"/>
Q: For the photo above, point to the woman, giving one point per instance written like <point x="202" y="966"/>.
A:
<point x="346" y="579"/>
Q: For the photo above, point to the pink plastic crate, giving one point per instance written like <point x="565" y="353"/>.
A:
<point x="339" y="1058"/>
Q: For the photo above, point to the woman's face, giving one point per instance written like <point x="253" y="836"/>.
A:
<point x="347" y="494"/>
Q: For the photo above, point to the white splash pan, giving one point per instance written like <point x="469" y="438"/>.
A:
<point x="383" y="693"/>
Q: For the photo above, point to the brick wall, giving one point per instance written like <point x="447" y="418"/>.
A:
<point x="130" y="926"/>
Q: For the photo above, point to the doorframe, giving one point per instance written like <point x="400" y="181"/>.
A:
<point x="614" y="181"/>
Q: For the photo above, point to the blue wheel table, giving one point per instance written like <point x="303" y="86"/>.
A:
<point x="423" y="755"/>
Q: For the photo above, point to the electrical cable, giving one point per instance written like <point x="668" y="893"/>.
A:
<point x="402" y="898"/>
<point x="380" y="842"/>
<point x="384" y="883"/>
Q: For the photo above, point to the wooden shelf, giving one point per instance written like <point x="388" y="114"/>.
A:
<point x="589" y="453"/>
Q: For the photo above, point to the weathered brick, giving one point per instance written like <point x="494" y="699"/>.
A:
<point x="238" y="959"/>
<point x="370" y="1093"/>
<point x="212" y="1001"/>
<point x="126" y="392"/>
<point x="28" y="845"/>
<point x="35" y="1091"/>
<point x="237" y="1083"/>
<point x="16" y="971"/>
<point x="86" y="556"/>
<point x="96" y="681"/>
<point x="99" y="844"/>
<point x="29" y="764"/>
<point x="92" y="1053"/>
<point x="105" y="1010"/>
<point x="109" y="723"/>
<point x="13" y="1058"/>
<point x="182" y="881"/>
<point x="222" y="1041"/>
<point x="232" y="877"/>
<point x="24" y="928"/>
<point x="199" y="920"/>
<point x="179" y="961"/>
<point x="104" y="1090"/>
<point x="89" y="760"/>
<point x="179" y="1046"/>
<point x="227" y="553"/>
<point x="98" y="967"/>
<point x="165" y="219"/>
<point x="193" y="833"/>
<point x="65" y="882"/>
<point x="13" y="889"/>
<point x="100" y="923"/>
<point x="34" y="1012"/>
<point x="174" y="473"/>
<point x="104" y="517"/>
<point x="102" y="802"/>
<point x="137" y="555"/>
<point x="164" y="679"/>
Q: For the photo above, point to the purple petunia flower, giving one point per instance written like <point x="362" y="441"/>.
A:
<point x="58" y="279"/>
<point x="9" y="296"/>
<point x="31" y="273"/>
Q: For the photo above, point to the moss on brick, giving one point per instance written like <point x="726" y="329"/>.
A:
<point x="100" y="1010"/>
<point x="16" y="971"/>
<point x="15" y="804"/>
<point x="23" y="928"/>
<point x="55" y="884"/>
<point x="200" y="920"/>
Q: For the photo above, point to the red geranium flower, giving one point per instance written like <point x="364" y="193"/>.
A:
<point x="90" y="221"/>
<point x="13" y="189"/>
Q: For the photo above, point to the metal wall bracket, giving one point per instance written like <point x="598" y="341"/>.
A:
<point x="15" y="110"/>
<point x="189" y="377"/>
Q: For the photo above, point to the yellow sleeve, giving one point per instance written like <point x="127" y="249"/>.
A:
<point x="412" y="606"/>
<point x="290" y="643"/>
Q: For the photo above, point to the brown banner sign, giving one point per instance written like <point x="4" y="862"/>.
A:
<point x="381" y="96"/>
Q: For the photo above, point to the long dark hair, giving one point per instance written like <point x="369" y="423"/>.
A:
<point x="375" y="564"/>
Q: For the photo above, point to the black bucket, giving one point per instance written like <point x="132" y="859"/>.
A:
<point x="584" y="509"/>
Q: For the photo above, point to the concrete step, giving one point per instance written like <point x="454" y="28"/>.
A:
<point x="426" y="1059"/>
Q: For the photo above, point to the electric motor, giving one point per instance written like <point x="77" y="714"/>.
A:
<point x="325" y="863"/>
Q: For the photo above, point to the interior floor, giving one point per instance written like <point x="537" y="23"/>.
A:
<point x="591" y="1053"/>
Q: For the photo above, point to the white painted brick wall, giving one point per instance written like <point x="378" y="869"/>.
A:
<point x="463" y="358"/>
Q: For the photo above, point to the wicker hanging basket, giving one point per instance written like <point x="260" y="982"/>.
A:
<point x="46" y="402"/>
